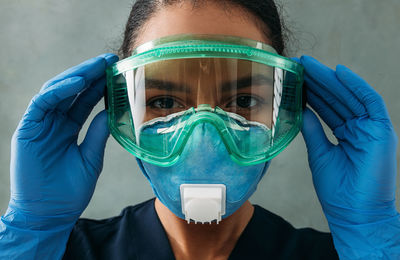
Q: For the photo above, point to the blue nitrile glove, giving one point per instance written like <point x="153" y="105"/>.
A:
<point x="52" y="177"/>
<point x="355" y="180"/>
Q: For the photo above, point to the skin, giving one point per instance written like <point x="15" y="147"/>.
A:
<point x="197" y="241"/>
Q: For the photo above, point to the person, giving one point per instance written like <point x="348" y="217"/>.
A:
<point x="202" y="151"/>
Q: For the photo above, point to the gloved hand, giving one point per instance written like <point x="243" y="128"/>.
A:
<point x="355" y="180"/>
<point x="52" y="177"/>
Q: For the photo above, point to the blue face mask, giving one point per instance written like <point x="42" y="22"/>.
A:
<point x="206" y="163"/>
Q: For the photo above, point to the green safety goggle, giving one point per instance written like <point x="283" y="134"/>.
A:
<point x="249" y="93"/>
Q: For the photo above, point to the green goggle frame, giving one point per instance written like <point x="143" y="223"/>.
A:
<point x="287" y="124"/>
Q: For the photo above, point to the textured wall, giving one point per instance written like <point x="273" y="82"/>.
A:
<point x="41" y="38"/>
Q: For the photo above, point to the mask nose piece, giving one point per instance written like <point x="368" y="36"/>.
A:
<point x="204" y="108"/>
<point x="205" y="138"/>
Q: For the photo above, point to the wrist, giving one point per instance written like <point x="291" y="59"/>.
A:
<point x="352" y="216"/>
<point x="378" y="240"/>
<point x="26" y="221"/>
<point x="23" y="242"/>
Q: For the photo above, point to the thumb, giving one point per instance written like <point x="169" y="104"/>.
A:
<point x="93" y="146"/>
<point x="316" y="141"/>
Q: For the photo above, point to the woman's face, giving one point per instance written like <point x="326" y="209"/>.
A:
<point x="205" y="85"/>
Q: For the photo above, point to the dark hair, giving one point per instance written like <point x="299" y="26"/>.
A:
<point x="265" y="10"/>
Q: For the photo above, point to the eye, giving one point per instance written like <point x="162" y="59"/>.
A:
<point x="164" y="103"/>
<point x="244" y="101"/>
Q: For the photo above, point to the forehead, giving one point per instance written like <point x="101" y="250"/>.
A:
<point x="207" y="18"/>
<point x="205" y="67"/>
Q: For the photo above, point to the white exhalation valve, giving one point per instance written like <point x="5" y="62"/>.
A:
<point x="203" y="202"/>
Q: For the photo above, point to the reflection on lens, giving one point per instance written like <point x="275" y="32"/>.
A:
<point x="237" y="86"/>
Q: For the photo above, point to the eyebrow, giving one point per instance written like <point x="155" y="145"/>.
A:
<point x="225" y="87"/>
<point x="165" y="85"/>
<point x="245" y="82"/>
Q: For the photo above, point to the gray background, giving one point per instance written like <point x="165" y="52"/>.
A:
<point x="41" y="38"/>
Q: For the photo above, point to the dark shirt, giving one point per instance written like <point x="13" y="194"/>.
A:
<point x="138" y="234"/>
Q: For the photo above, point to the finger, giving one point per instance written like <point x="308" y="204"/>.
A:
<point x="92" y="147"/>
<point x="326" y="79"/>
<point x="90" y="70"/>
<point x="295" y="59"/>
<point x="330" y="117"/>
<point x="65" y="104"/>
<point x="84" y="104"/>
<point x="329" y="99"/>
<point x="316" y="141"/>
<point x="367" y="96"/>
<point x="51" y="97"/>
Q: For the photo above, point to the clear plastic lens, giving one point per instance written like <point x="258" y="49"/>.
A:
<point x="166" y="87"/>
